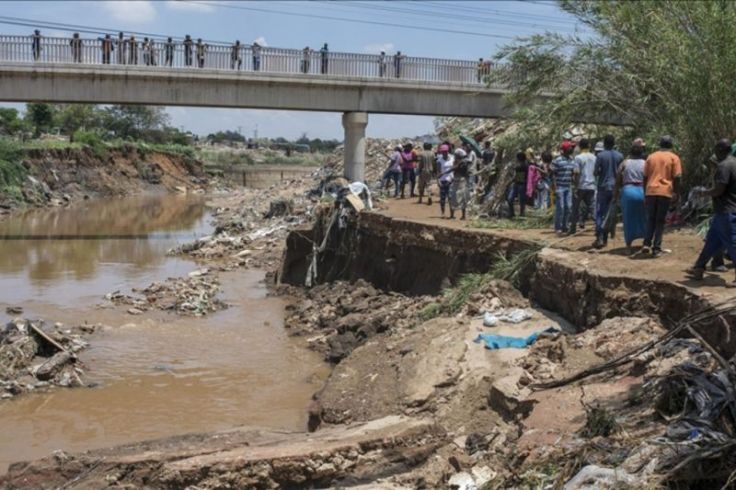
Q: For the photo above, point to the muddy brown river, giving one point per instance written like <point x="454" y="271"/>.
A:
<point x="158" y="374"/>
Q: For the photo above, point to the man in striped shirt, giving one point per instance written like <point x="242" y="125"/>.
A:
<point x="564" y="174"/>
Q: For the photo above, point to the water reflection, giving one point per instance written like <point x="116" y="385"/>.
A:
<point x="97" y="242"/>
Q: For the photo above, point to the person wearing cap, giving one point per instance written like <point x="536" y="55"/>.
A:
<point x="722" y="230"/>
<point x="662" y="174"/>
<point x="518" y="187"/>
<point x="564" y="174"/>
<point x="606" y="168"/>
<point x="460" y="188"/>
<point x="36" y="44"/>
<point x="427" y="170"/>
<point x="393" y="172"/>
<point x="630" y="187"/>
<point x="585" y="186"/>
<point x="598" y="148"/>
<point x="445" y="163"/>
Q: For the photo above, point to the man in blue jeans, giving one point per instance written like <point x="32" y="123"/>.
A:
<point x="564" y="175"/>
<point x="722" y="232"/>
<point x="606" y="168"/>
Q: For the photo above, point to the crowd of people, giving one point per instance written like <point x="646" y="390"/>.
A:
<point x="154" y="52"/>
<point x="582" y="184"/>
<point x="456" y="171"/>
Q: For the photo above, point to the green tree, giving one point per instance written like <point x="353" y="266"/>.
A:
<point x="40" y="116"/>
<point x="134" y="121"/>
<point x="10" y="122"/>
<point x="660" y="66"/>
<point x="72" y="117"/>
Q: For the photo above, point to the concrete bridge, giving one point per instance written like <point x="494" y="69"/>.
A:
<point x="183" y="73"/>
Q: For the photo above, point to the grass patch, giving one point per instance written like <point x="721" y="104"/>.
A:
<point x="533" y="220"/>
<point x="599" y="422"/>
<point x="12" y="171"/>
<point x="454" y="298"/>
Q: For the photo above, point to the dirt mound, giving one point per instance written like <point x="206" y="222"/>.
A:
<point x="337" y="317"/>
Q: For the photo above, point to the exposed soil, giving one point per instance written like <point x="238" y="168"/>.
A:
<point x="58" y="177"/>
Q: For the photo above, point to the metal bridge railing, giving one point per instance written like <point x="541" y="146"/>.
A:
<point x="158" y="54"/>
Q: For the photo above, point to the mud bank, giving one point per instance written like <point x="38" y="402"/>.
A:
<point x="418" y="258"/>
<point x="55" y="177"/>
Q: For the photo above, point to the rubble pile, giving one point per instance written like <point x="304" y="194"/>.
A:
<point x="195" y="295"/>
<point x="32" y="358"/>
<point x="251" y="227"/>
<point x="339" y="316"/>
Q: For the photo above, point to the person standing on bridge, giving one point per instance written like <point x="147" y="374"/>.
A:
<point x="133" y="46"/>
<point x="76" y="45"/>
<point x="188" y="43"/>
<point x="201" y="49"/>
<point x="152" y="52"/>
<point x="256" y="49"/>
<point x="121" y="45"/>
<point x="662" y="174"/>
<point x="36" y="44"/>
<point x="427" y="170"/>
<point x="382" y="64"/>
<point x="107" y="48"/>
<point x="324" y="54"/>
<point x="445" y="162"/>
<point x="306" y="59"/>
<point x="398" y="61"/>
<point x="169" y="52"/>
<point x="408" y="169"/>
<point x="236" y="57"/>
<point x="146" y="51"/>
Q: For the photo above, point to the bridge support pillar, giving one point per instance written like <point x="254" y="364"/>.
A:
<point x="354" y="124"/>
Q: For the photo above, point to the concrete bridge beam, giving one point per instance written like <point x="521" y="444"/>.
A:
<point x="354" y="124"/>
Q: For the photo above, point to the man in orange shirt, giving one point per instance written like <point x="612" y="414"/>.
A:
<point x="662" y="173"/>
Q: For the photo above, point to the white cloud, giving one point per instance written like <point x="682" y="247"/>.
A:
<point x="189" y="7"/>
<point x="261" y="41"/>
<point x="129" y="11"/>
<point x="377" y="48"/>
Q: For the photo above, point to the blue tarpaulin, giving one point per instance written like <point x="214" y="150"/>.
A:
<point x="493" y="341"/>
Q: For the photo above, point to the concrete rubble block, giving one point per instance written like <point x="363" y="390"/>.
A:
<point x="48" y="369"/>
<point x="508" y="398"/>
<point x="246" y="459"/>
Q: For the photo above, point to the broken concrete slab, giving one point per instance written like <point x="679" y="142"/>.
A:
<point x="244" y="458"/>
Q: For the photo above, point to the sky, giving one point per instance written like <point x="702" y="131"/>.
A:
<point x="455" y="29"/>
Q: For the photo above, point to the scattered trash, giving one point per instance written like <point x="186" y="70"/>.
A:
<point x="194" y="295"/>
<point x="594" y="477"/>
<point x="493" y="341"/>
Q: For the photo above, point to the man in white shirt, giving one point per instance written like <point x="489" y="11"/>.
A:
<point x="585" y="188"/>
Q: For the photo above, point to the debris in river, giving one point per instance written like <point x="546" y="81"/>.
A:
<point x="32" y="358"/>
<point x="194" y="295"/>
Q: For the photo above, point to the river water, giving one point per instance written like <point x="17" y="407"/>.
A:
<point x="158" y="374"/>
